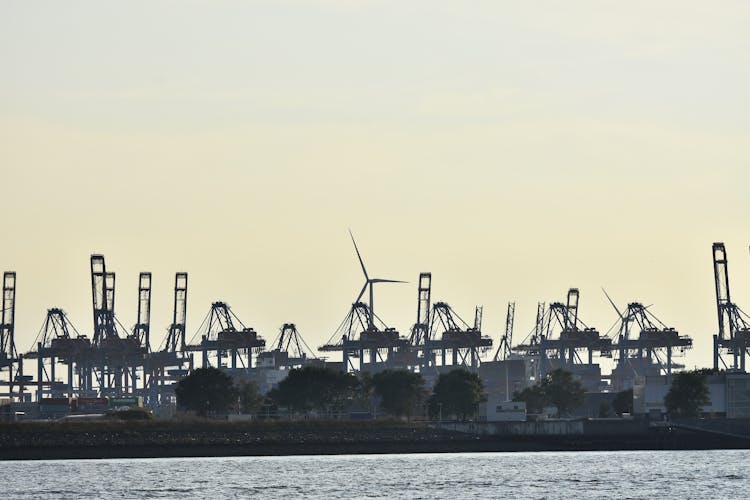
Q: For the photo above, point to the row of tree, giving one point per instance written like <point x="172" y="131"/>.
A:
<point x="558" y="388"/>
<point x="320" y="390"/>
<point x="402" y="393"/>
<point x="209" y="390"/>
<point x="687" y="395"/>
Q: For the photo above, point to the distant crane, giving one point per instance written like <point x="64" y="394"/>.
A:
<point x="103" y="298"/>
<point x="645" y="346"/>
<point x="142" y="327"/>
<point x="733" y="337"/>
<point x="478" y="311"/>
<point x="9" y="357"/>
<point x="290" y="350"/>
<point x="539" y="324"/>
<point x="421" y="329"/>
<point x="465" y="343"/>
<point x="176" y="336"/>
<point x="289" y="340"/>
<point x="220" y="334"/>
<point x="506" y="341"/>
<point x="165" y="366"/>
<point x="560" y="340"/>
<point x="57" y="345"/>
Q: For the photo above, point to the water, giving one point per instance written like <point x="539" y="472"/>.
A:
<point x="625" y="474"/>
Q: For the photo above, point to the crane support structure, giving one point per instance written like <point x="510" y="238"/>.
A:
<point x="561" y="340"/>
<point x="463" y="343"/>
<point x="221" y="336"/>
<point x="58" y="349"/>
<point x="164" y="367"/>
<point x="650" y="353"/>
<point x="529" y="347"/>
<point x="291" y="350"/>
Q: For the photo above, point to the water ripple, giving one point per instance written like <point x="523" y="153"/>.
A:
<point x="547" y="475"/>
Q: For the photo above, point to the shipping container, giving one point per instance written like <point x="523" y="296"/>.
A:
<point x="126" y="402"/>
<point x="54" y="401"/>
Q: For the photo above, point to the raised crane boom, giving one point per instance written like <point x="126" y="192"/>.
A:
<point x="504" y="349"/>
<point x="103" y="299"/>
<point x="721" y="280"/>
<point x="733" y="337"/>
<point x="8" y="355"/>
<point x="176" y="336"/>
<point x="571" y="317"/>
<point x="142" y="328"/>
<point x="421" y="328"/>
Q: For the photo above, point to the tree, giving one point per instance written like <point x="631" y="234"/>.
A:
<point x="206" y="391"/>
<point x="605" y="409"/>
<point x="400" y="391"/>
<point x="534" y="397"/>
<point x="557" y="388"/>
<point x="248" y="395"/>
<point x="623" y="402"/>
<point x="364" y="393"/>
<point x="563" y="391"/>
<point x="687" y="394"/>
<point x="314" y="388"/>
<point x="458" y="393"/>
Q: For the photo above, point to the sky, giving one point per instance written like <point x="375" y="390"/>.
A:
<point x="513" y="149"/>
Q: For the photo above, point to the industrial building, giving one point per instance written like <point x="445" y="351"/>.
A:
<point x="729" y="395"/>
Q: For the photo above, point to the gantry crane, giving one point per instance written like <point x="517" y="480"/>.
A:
<point x="645" y="346"/>
<point x="9" y="358"/>
<point x="733" y="338"/>
<point x="220" y="335"/>
<point x="363" y="333"/>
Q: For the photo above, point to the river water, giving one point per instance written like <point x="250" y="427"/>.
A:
<point x="624" y="474"/>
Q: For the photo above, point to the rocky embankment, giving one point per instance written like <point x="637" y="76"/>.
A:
<point x="154" y="439"/>
<point x="211" y="438"/>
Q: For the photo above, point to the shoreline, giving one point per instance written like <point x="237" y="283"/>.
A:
<point x="215" y="439"/>
<point x="294" y="449"/>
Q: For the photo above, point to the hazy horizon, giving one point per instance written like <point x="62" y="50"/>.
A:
<point x="513" y="150"/>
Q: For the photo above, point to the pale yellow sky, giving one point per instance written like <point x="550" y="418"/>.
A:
<point x="512" y="149"/>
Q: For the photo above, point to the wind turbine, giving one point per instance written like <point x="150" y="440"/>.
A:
<point x="369" y="282"/>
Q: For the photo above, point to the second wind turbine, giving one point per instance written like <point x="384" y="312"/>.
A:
<point x="369" y="282"/>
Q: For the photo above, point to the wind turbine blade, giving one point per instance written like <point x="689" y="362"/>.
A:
<point x="613" y="304"/>
<point x="358" y="255"/>
<point x="362" y="292"/>
<point x="378" y="280"/>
